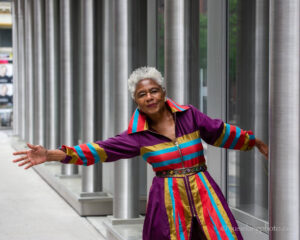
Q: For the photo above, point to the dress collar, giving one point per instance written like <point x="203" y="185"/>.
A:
<point x="139" y="122"/>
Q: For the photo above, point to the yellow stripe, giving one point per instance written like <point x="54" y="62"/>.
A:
<point x="246" y="143"/>
<point x="220" y="139"/>
<point x="198" y="204"/>
<point x="160" y="146"/>
<point x="169" y="209"/>
<point x="220" y="206"/>
<point x="156" y="147"/>
<point x="72" y="154"/>
<point x="185" y="204"/>
<point x="101" y="152"/>
<point x="188" y="137"/>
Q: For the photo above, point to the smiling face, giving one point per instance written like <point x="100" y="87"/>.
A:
<point x="149" y="96"/>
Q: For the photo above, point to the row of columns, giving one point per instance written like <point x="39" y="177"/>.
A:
<point x="60" y="71"/>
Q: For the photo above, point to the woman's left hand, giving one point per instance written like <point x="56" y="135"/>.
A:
<point x="262" y="147"/>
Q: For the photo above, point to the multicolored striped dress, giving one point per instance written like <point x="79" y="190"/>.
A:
<point x="182" y="206"/>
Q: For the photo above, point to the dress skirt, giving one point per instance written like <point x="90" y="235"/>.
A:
<point x="187" y="208"/>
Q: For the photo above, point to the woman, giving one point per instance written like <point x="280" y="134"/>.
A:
<point x="184" y="201"/>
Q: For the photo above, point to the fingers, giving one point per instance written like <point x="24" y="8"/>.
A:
<point x="28" y="166"/>
<point x="20" y="159"/>
<point x="20" y="152"/>
<point x="34" y="147"/>
<point x="23" y="163"/>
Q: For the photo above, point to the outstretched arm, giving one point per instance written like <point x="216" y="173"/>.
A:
<point x="37" y="155"/>
<point x="220" y="134"/>
<point x="112" y="149"/>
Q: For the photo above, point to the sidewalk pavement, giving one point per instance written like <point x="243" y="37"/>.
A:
<point x="30" y="209"/>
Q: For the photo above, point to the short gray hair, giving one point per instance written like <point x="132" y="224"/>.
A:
<point x="144" y="73"/>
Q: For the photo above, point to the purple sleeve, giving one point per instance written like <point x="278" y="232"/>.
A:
<point x="220" y="134"/>
<point x="210" y="129"/>
<point x="112" y="149"/>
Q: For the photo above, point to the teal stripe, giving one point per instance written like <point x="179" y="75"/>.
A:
<point x="180" y="228"/>
<point x="81" y="155"/>
<point x="171" y="149"/>
<point x="170" y="184"/>
<point x="177" y="160"/>
<point x="192" y="155"/>
<point x="135" y="120"/>
<point x="226" y="136"/>
<point x="94" y="152"/>
<point x="251" y="137"/>
<point x="166" y="150"/>
<point x="215" y="227"/>
<point x="225" y="227"/>
<point x="236" y="139"/>
<point x="166" y="163"/>
<point x="182" y="109"/>
<point x="190" y="143"/>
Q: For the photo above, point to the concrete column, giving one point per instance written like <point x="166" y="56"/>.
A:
<point x="92" y="175"/>
<point x="29" y="73"/>
<point x="15" y="66"/>
<point x="151" y="60"/>
<point x="52" y="94"/>
<point x="21" y="79"/>
<point x="261" y="121"/>
<point x="67" y="80"/>
<point x="108" y="97"/>
<point x="126" y="172"/>
<point x="39" y="71"/>
<point x="284" y="189"/>
<point x="175" y="53"/>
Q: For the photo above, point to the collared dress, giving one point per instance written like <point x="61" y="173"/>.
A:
<point x="189" y="206"/>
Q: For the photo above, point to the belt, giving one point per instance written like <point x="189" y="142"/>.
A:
<point x="181" y="171"/>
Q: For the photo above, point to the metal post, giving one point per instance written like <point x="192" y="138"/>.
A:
<point x="151" y="60"/>
<point x="126" y="193"/>
<point x="21" y="83"/>
<point x="108" y="97"/>
<point x="91" y="176"/>
<point x="66" y="62"/>
<point x="29" y="73"/>
<point x="15" y="67"/>
<point x="284" y="189"/>
<point x="52" y="130"/>
<point x="39" y="73"/>
<point x="175" y="54"/>
<point x="261" y="103"/>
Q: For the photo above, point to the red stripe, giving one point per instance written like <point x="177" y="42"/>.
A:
<point x="200" y="160"/>
<point x="241" y="140"/>
<point x="214" y="215"/>
<point x="130" y="124"/>
<point x="231" y="137"/>
<point x="194" y="161"/>
<point x="141" y="123"/>
<point x="163" y="157"/>
<point x="168" y="167"/>
<point x="191" y="149"/>
<point x="172" y="105"/>
<point x="3" y="61"/>
<point x="179" y="208"/>
<point x="87" y="153"/>
<point x="205" y="201"/>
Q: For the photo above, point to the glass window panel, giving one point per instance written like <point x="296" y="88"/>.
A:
<point x="247" y="179"/>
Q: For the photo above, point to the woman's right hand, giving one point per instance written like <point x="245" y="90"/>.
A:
<point x="34" y="156"/>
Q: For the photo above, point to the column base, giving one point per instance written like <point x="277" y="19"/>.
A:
<point x="123" y="229"/>
<point x="120" y="221"/>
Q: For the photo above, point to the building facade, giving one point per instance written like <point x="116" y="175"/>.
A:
<point x="236" y="60"/>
